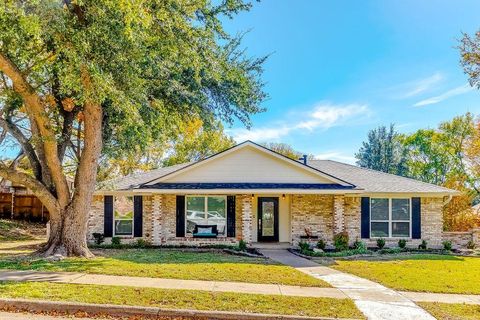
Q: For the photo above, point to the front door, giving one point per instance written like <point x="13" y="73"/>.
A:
<point x="267" y="219"/>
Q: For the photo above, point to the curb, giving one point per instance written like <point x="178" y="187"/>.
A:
<point x="71" y="308"/>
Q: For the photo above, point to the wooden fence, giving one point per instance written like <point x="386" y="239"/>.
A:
<point x="23" y="207"/>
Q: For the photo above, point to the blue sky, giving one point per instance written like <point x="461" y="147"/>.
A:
<point x="341" y="68"/>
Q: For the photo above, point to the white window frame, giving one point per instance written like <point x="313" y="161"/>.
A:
<point x="390" y="220"/>
<point x="133" y="218"/>
<point x="205" y="196"/>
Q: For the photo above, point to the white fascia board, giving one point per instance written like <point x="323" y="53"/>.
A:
<point x="225" y="191"/>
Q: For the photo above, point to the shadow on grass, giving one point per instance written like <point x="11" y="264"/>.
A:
<point x="405" y="257"/>
<point x="169" y="256"/>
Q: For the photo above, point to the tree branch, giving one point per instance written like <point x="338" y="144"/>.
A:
<point x="38" y="189"/>
<point x="35" y="108"/>
<point x="27" y="147"/>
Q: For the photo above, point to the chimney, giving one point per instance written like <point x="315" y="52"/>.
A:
<point x="304" y="159"/>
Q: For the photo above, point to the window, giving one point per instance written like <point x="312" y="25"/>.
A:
<point x="206" y="210"/>
<point x="390" y="218"/>
<point x="123" y="216"/>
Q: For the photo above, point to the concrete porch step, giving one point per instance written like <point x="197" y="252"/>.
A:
<point x="271" y="245"/>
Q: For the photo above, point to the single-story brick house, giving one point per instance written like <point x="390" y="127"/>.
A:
<point x="252" y="193"/>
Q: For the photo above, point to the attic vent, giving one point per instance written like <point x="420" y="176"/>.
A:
<point x="303" y="159"/>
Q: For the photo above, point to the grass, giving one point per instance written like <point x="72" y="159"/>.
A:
<point x="18" y="230"/>
<point x="426" y="273"/>
<point x="172" y="264"/>
<point x="447" y="311"/>
<point x="182" y="299"/>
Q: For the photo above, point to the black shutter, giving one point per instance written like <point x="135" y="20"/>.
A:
<point x="137" y="216"/>
<point x="180" y="216"/>
<point x="416" y="218"/>
<point x="108" y="216"/>
<point x="230" y="216"/>
<point x="365" y="217"/>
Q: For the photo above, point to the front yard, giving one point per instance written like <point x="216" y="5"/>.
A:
<point x="173" y="264"/>
<point x="447" y="311"/>
<point x="426" y="273"/>
<point x="183" y="299"/>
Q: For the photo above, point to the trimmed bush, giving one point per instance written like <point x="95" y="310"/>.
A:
<point x="380" y="243"/>
<point x="402" y="243"/>
<point x="304" y="246"/>
<point x="116" y="242"/>
<point x="447" y="245"/>
<point x="359" y="245"/>
<point x="423" y="245"/>
<point x="142" y="243"/>
<point x="321" y="244"/>
<point x="242" y="245"/>
<point x="340" y="241"/>
<point x="99" y="238"/>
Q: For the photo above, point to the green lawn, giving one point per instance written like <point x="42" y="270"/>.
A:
<point x="173" y="264"/>
<point x="428" y="273"/>
<point x="447" y="311"/>
<point x="182" y="299"/>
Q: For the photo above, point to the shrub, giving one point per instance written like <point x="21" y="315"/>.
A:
<point x="471" y="244"/>
<point x="304" y="246"/>
<point x="321" y="244"/>
<point x="380" y="243"/>
<point x="340" y="241"/>
<point x="447" y="245"/>
<point x="242" y="245"/>
<point x="402" y="243"/>
<point x="359" y="245"/>
<point x="116" y="241"/>
<point x="423" y="245"/>
<point x="99" y="238"/>
<point x="141" y="243"/>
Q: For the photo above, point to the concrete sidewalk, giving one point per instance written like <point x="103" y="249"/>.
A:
<point x="214" y="286"/>
<point x="372" y="299"/>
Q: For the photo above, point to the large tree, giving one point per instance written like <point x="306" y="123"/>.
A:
<point x="79" y="77"/>
<point x="383" y="151"/>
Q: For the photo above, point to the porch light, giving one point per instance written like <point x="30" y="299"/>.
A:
<point x="253" y="196"/>
<point x="283" y="196"/>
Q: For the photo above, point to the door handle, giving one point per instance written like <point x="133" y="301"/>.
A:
<point x="260" y="223"/>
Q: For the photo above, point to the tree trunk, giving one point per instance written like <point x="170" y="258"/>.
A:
<point x="68" y="233"/>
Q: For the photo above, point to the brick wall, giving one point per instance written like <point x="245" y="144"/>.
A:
<point x="159" y="222"/>
<point x="314" y="212"/>
<point x="461" y="239"/>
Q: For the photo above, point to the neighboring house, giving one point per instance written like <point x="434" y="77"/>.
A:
<point x="252" y="193"/>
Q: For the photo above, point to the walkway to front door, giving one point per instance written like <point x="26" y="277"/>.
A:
<point x="374" y="300"/>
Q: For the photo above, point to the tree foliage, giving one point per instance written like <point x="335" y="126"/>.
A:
<point x="286" y="150"/>
<point x="383" y="151"/>
<point x="195" y="142"/>
<point x="78" y="78"/>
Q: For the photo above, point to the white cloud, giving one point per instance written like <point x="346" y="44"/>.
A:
<point x="336" y="155"/>
<point x="446" y="95"/>
<point x="419" y="86"/>
<point x="327" y="115"/>
<point x="321" y="116"/>
<point x="259" y="134"/>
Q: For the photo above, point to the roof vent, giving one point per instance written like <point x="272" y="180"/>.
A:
<point x="304" y="159"/>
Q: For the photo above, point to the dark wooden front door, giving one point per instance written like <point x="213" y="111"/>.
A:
<point x="267" y="219"/>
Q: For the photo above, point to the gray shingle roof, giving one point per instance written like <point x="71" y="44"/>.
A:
<point x="133" y="181"/>
<point x="375" y="181"/>
<point x="370" y="181"/>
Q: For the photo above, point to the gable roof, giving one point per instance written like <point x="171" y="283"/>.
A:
<point x="343" y="177"/>
<point x="249" y="144"/>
